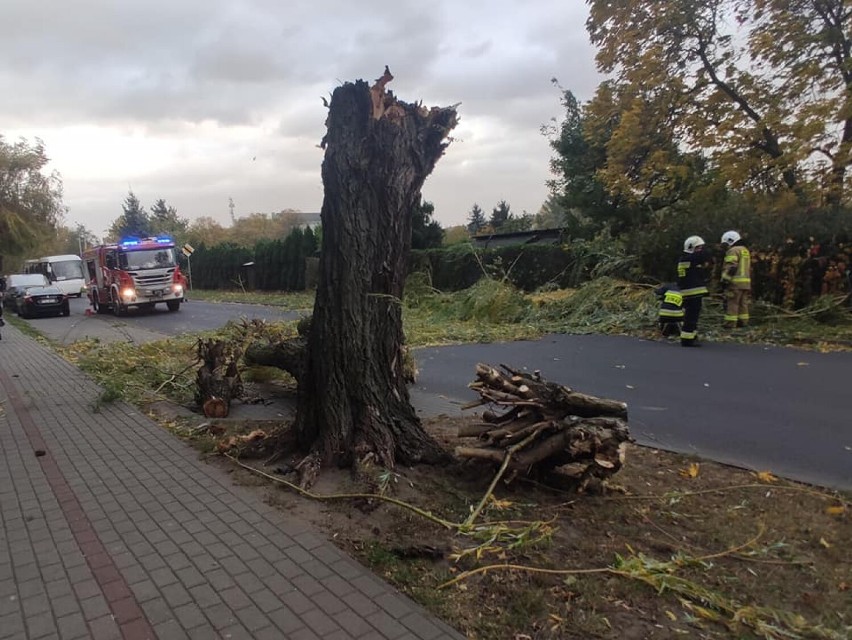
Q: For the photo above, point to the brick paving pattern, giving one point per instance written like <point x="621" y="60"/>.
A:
<point x="112" y="528"/>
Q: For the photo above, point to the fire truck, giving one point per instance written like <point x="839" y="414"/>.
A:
<point x="137" y="272"/>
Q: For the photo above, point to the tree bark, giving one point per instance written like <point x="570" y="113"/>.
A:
<point x="288" y="355"/>
<point x="218" y="380"/>
<point x="353" y="400"/>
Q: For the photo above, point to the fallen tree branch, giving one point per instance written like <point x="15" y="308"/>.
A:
<point x="346" y="496"/>
<point x="511" y="450"/>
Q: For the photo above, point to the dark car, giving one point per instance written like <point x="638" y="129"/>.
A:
<point x="42" y="301"/>
<point x="15" y="285"/>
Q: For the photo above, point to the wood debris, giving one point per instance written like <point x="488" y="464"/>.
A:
<point x="545" y="425"/>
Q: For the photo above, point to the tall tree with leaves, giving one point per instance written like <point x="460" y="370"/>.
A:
<point x="500" y="215"/>
<point x="164" y="219"/>
<point x="425" y="232"/>
<point x="476" y="220"/>
<point x="205" y="230"/>
<point x="576" y="188"/>
<point x="523" y="222"/>
<point x="30" y="199"/>
<point x="763" y="86"/>
<point x="68" y="240"/>
<point x="617" y="161"/>
<point x="133" y="222"/>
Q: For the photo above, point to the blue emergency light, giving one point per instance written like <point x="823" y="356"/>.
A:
<point x="129" y="242"/>
<point x="164" y="240"/>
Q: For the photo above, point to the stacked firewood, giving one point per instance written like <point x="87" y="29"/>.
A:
<point x="544" y="425"/>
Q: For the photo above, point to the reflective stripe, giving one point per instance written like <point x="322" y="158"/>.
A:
<point x="730" y="318"/>
<point x="695" y="291"/>
<point x="673" y="298"/>
<point x="737" y="268"/>
<point x="688" y="335"/>
<point x="671" y="313"/>
<point x="743" y="316"/>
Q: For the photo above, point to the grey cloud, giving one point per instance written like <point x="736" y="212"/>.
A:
<point x="162" y="68"/>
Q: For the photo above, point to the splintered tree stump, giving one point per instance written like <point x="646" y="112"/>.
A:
<point x="353" y="400"/>
<point x="545" y="425"/>
<point x="218" y="379"/>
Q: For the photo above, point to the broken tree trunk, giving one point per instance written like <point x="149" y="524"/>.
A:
<point x="545" y="425"/>
<point x="288" y="355"/>
<point x="218" y="379"/>
<point x="353" y="402"/>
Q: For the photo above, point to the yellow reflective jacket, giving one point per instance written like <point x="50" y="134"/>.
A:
<point x="737" y="267"/>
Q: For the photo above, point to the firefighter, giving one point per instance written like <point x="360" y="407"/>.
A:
<point x="692" y="282"/>
<point x="670" y="315"/>
<point x="736" y="280"/>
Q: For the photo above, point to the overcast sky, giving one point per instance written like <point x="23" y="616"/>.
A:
<point x="196" y="101"/>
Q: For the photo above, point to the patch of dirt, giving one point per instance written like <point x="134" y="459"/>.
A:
<point x="679" y="548"/>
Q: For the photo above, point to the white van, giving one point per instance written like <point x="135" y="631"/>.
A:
<point x="65" y="272"/>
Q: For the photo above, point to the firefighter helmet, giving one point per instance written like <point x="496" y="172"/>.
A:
<point x="692" y="243"/>
<point x="730" y="238"/>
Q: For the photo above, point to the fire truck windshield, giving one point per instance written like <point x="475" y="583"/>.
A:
<point x="146" y="259"/>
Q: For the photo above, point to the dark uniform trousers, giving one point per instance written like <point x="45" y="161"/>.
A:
<point x="691" y="311"/>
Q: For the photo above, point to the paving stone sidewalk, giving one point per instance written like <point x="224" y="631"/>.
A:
<point x="110" y="527"/>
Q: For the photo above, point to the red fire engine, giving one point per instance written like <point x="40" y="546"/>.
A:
<point x="134" y="272"/>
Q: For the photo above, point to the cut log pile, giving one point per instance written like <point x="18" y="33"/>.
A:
<point x="545" y="425"/>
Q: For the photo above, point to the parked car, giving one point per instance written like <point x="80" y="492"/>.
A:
<point x="43" y="301"/>
<point x="16" y="283"/>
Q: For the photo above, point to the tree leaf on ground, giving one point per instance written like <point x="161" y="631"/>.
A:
<point x="765" y="476"/>
<point x="691" y="471"/>
<point x="836" y="510"/>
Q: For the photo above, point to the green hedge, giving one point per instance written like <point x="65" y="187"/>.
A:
<point x="527" y="267"/>
<point x="791" y="275"/>
<point x="271" y="265"/>
<point x="796" y="258"/>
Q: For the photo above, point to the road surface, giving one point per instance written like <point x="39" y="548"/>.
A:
<point x="764" y="408"/>
<point x="155" y="324"/>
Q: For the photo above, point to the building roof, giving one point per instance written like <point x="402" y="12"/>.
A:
<point x="533" y="236"/>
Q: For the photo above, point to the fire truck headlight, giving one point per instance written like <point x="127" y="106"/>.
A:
<point x="178" y="289"/>
<point x="128" y="293"/>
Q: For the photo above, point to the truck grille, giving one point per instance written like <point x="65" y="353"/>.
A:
<point x="145" y="280"/>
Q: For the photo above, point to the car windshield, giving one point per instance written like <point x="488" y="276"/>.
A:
<point x="67" y="269"/>
<point x="29" y="279"/>
<point x="146" y="259"/>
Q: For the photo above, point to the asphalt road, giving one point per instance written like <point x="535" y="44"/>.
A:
<point x="763" y="408"/>
<point x="146" y="325"/>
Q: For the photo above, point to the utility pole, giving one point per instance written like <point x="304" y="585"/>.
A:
<point x="231" y="206"/>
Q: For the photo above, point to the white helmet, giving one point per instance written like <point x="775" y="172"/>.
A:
<point x="692" y="243"/>
<point x="730" y="238"/>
